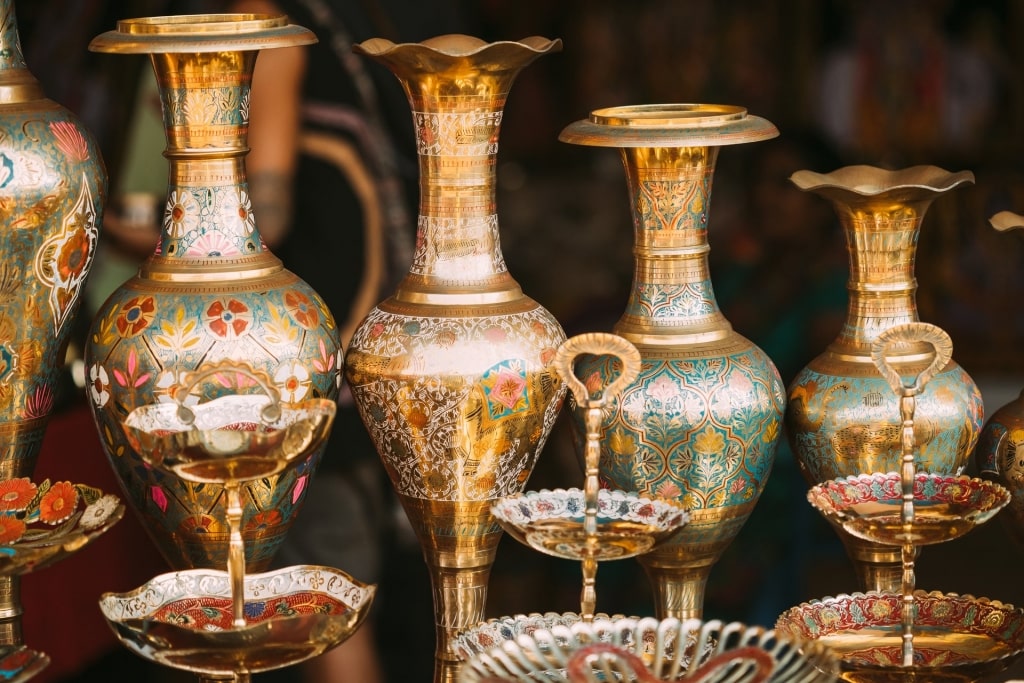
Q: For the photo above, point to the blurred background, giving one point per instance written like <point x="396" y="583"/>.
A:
<point x="892" y="84"/>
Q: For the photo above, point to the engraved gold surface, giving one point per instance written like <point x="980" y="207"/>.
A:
<point x="452" y="373"/>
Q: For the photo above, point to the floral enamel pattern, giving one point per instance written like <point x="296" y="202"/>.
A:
<point x="845" y="425"/>
<point x="449" y="439"/>
<point x="52" y="191"/>
<point x="39" y="523"/>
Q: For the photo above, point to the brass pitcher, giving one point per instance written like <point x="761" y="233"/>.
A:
<point x="452" y="374"/>
<point x="842" y="418"/>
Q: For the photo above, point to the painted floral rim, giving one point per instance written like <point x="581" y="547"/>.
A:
<point x="184" y="619"/>
<point x="951" y="505"/>
<point x="612" y="505"/>
<point x="18" y="663"/>
<point x="45" y="522"/>
<point x="544" y="653"/>
<point x="937" y="612"/>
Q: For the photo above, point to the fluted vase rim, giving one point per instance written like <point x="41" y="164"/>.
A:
<point x="1006" y="220"/>
<point x="456" y="46"/>
<point x="862" y="181"/>
<point x="202" y="33"/>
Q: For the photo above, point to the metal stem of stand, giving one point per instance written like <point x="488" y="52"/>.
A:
<point x="596" y="343"/>
<point x="942" y="348"/>
<point x="236" y="553"/>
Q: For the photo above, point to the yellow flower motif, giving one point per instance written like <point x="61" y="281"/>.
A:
<point x="709" y="441"/>
<point x="621" y="443"/>
<point x="880" y="610"/>
<point x="770" y="433"/>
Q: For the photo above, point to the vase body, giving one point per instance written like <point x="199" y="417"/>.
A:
<point x="702" y="421"/>
<point x="210" y="294"/>
<point x="52" y="191"/>
<point x="842" y="418"/>
<point x="452" y="374"/>
<point x="999" y="455"/>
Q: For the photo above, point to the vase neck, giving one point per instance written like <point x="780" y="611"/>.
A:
<point x="458" y="254"/>
<point x="881" y="239"/>
<point x="17" y="84"/>
<point x="204" y="98"/>
<point x="672" y="300"/>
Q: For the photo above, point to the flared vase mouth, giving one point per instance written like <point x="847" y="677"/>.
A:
<point x="456" y="52"/>
<point x="670" y="124"/>
<point x="871" y="181"/>
<point x="1006" y="220"/>
<point x="201" y="33"/>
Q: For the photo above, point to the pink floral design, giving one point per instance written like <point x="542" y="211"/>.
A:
<point x="40" y="403"/>
<point x="212" y="244"/>
<point x="131" y="379"/>
<point x="300" y="486"/>
<point x="669" y="490"/>
<point x="663" y="389"/>
<point x="159" y="497"/>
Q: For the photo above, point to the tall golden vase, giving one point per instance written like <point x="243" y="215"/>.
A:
<point x="452" y="374"/>
<point x="701" y="422"/>
<point x="842" y="417"/>
<point x="211" y="295"/>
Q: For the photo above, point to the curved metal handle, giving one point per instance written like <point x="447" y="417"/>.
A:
<point x="269" y="413"/>
<point x="909" y="333"/>
<point x="598" y="344"/>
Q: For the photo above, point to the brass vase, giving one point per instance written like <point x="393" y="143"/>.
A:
<point x="452" y="374"/>
<point x="842" y="417"/>
<point x="53" y="186"/>
<point x="210" y="294"/>
<point x="702" y="421"/>
<point x="999" y="455"/>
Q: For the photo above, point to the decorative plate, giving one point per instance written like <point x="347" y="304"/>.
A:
<point x="869" y="506"/>
<point x="667" y="649"/>
<point x="43" y="523"/>
<point x="183" y="619"/>
<point x="552" y="522"/>
<point x="957" y="638"/>
<point x="18" y="663"/>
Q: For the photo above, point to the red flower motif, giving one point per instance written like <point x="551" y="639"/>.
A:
<point x="302" y="309"/>
<point x="70" y="140"/>
<point x="73" y="256"/>
<point x="11" y="529"/>
<point x="59" y="503"/>
<point x="135" y="316"/>
<point x="263" y="520"/>
<point x="228" y="318"/>
<point x="16" y="494"/>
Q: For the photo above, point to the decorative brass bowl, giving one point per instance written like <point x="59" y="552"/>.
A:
<point x="184" y="619"/>
<point x="553" y="522"/>
<point x="956" y="638"/>
<point x="40" y="524"/>
<point x="18" y="663"/>
<point x="670" y="648"/>
<point x="945" y="506"/>
<point x="493" y="632"/>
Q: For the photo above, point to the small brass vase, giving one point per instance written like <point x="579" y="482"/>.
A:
<point x="452" y="374"/>
<point x="701" y="422"/>
<point x="842" y="418"/>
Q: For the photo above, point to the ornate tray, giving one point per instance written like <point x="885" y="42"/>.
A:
<point x="945" y="506"/>
<point x="184" y="619"/>
<point x="671" y="649"/>
<point x="43" y="523"/>
<point x="956" y="638"/>
<point x="552" y="522"/>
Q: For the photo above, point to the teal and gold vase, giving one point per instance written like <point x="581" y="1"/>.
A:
<point x="701" y="422"/>
<point x="453" y="373"/>
<point x="211" y="293"/>
<point x="53" y="186"/>
<point x="842" y="417"/>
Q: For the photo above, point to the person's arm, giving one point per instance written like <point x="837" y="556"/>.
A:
<point x="275" y="104"/>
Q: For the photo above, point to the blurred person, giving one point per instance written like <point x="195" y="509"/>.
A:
<point x="333" y="197"/>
